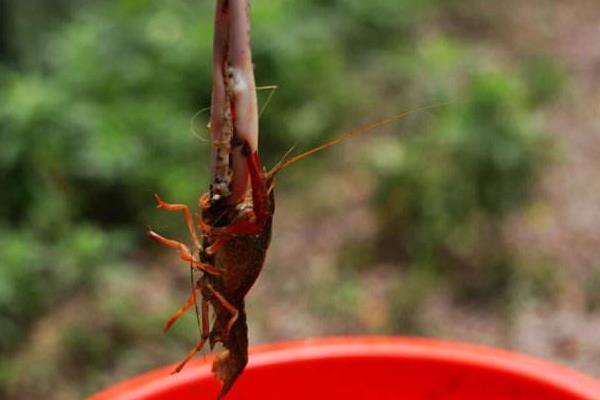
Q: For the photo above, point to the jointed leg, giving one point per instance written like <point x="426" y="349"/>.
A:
<point x="203" y="338"/>
<point x="187" y="214"/>
<point x="190" y="302"/>
<point x="213" y="248"/>
<point x="236" y="228"/>
<point x="228" y="306"/>
<point x="184" y="253"/>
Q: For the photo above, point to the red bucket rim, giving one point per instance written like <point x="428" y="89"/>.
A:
<point x="532" y="368"/>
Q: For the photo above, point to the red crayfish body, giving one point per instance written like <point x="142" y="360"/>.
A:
<point x="230" y="252"/>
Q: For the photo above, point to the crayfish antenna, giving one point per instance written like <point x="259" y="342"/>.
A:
<point x="281" y="165"/>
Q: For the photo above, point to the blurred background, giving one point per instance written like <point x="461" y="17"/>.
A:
<point x="476" y="221"/>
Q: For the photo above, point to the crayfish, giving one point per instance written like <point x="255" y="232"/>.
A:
<point x="236" y="213"/>
<point x="230" y="252"/>
<point x="230" y="264"/>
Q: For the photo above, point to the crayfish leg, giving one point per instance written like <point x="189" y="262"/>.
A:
<point x="184" y="252"/>
<point x="200" y="344"/>
<point x="227" y="305"/>
<point x="220" y="242"/>
<point x="187" y="215"/>
<point x="236" y="228"/>
<point x="189" y="302"/>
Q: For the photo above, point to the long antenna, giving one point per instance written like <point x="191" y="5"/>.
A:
<point x="345" y="136"/>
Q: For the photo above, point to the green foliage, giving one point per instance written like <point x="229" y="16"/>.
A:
<point x="446" y="190"/>
<point x="545" y="79"/>
<point x="407" y="299"/>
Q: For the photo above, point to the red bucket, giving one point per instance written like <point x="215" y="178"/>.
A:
<point x="370" y="368"/>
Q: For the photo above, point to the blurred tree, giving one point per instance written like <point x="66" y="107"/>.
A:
<point x="7" y="50"/>
<point x="444" y="193"/>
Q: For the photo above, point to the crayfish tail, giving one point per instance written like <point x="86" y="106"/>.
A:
<point x="229" y="364"/>
<point x="227" y="368"/>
